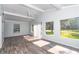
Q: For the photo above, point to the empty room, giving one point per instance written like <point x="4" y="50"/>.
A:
<point x="39" y="29"/>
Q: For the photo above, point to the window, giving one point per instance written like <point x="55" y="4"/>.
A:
<point x="70" y="28"/>
<point x="16" y="27"/>
<point x="49" y="28"/>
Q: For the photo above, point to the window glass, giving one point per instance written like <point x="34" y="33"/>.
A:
<point x="70" y="28"/>
<point x="16" y="27"/>
<point x="49" y="28"/>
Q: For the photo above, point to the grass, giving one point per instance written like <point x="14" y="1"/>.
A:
<point x="74" y="34"/>
<point x="49" y="32"/>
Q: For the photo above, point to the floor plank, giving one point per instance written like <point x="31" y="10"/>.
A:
<point x="25" y="45"/>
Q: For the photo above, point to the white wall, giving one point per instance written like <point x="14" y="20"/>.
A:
<point x="0" y="27"/>
<point x="8" y="28"/>
<point x="56" y="16"/>
<point x="60" y="14"/>
<point x="0" y="31"/>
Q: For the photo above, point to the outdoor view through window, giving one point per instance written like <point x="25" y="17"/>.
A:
<point x="49" y="28"/>
<point x="70" y="28"/>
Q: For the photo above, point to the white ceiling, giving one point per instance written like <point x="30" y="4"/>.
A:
<point x="46" y="7"/>
<point x="43" y="6"/>
<point x="31" y="10"/>
<point x="65" y="5"/>
<point x="20" y="9"/>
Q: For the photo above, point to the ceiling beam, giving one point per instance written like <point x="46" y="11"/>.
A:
<point x="71" y="6"/>
<point x="34" y="7"/>
<point x="19" y="15"/>
<point x="57" y="6"/>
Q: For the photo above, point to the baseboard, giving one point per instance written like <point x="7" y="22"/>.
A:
<point x="16" y="36"/>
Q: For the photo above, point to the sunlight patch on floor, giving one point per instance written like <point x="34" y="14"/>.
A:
<point x="41" y="43"/>
<point x="61" y="50"/>
<point x="30" y="38"/>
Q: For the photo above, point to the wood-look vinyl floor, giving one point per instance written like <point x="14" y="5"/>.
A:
<point x="24" y="45"/>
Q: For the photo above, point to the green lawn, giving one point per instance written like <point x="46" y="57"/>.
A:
<point x="74" y="34"/>
<point x="49" y="32"/>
